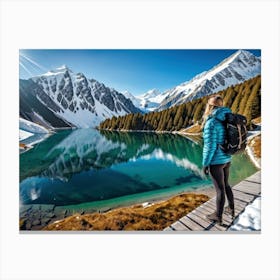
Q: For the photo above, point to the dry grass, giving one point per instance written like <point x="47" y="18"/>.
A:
<point x="257" y="120"/>
<point x="23" y="146"/>
<point x="154" y="217"/>
<point x="255" y="144"/>
<point x="193" y="129"/>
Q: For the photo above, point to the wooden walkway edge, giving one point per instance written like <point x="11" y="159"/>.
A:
<point x="244" y="193"/>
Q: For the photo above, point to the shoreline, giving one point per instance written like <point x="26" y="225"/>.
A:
<point x="54" y="214"/>
<point x="208" y="191"/>
<point x="249" y="150"/>
<point x="23" y="147"/>
<point x="145" y="216"/>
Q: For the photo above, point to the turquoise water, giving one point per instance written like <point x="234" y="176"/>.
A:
<point x="86" y="168"/>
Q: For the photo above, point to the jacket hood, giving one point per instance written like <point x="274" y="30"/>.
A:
<point x="220" y="113"/>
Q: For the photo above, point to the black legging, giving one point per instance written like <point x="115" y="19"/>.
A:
<point x="219" y="175"/>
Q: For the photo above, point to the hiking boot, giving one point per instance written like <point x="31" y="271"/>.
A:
<point x="230" y="211"/>
<point x="213" y="217"/>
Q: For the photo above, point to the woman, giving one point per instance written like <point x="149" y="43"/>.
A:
<point x="215" y="161"/>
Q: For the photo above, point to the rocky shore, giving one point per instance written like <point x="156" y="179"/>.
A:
<point x="37" y="216"/>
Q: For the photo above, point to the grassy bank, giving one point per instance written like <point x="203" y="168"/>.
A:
<point x="148" y="217"/>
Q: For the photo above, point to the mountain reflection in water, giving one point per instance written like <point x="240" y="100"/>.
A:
<point x="85" y="165"/>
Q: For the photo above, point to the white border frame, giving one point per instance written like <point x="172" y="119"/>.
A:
<point x="139" y="24"/>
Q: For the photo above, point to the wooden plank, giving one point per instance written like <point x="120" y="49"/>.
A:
<point x="226" y="218"/>
<point x="204" y="211"/>
<point x="239" y="207"/>
<point x="212" y="199"/>
<point x="213" y="225"/>
<point x="168" y="229"/>
<point x="179" y="226"/>
<point x="239" y="210"/>
<point x="249" y="191"/>
<point x="191" y="224"/>
<point x="248" y="187"/>
<point x="242" y="196"/>
<point x="255" y="177"/>
<point x="253" y="181"/>
<point x="200" y="219"/>
<point x="248" y="184"/>
<point x="210" y="209"/>
<point x="239" y="202"/>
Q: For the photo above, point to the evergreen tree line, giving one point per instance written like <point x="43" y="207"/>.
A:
<point x="244" y="98"/>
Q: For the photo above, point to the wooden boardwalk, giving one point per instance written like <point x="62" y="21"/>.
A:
<point x="244" y="193"/>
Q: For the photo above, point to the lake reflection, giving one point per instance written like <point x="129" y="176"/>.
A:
<point x="84" y="165"/>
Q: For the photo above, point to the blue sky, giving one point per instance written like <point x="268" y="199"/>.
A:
<point x="134" y="70"/>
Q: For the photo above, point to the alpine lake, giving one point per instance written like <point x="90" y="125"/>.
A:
<point x="86" y="170"/>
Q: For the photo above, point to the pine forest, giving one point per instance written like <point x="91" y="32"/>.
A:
<point x="244" y="98"/>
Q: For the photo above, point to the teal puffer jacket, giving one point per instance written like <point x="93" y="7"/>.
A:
<point x="214" y="134"/>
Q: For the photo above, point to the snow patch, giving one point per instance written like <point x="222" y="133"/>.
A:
<point x="24" y="134"/>
<point x="250" y="219"/>
<point x="148" y="101"/>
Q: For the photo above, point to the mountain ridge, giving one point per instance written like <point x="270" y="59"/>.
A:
<point x="70" y="99"/>
<point x="239" y="67"/>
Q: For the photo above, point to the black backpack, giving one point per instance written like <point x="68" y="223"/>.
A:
<point x="236" y="134"/>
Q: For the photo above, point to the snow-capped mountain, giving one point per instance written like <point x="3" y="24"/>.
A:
<point x="239" y="67"/>
<point x="148" y="101"/>
<point x="61" y="98"/>
<point x="134" y="99"/>
<point x="151" y="99"/>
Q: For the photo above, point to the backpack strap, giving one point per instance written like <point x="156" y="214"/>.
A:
<point x="224" y="124"/>
<point x="240" y="135"/>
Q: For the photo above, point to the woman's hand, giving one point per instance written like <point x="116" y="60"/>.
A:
<point x="206" y="170"/>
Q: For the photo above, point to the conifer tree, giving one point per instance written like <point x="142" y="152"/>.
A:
<point x="198" y="112"/>
<point x="229" y="96"/>
<point x="244" y="98"/>
<point x="178" y="115"/>
<point x="235" y="104"/>
<point x="180" y="124"/>
<point x="253" y="106"/>
<point x="169" y="124"/>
